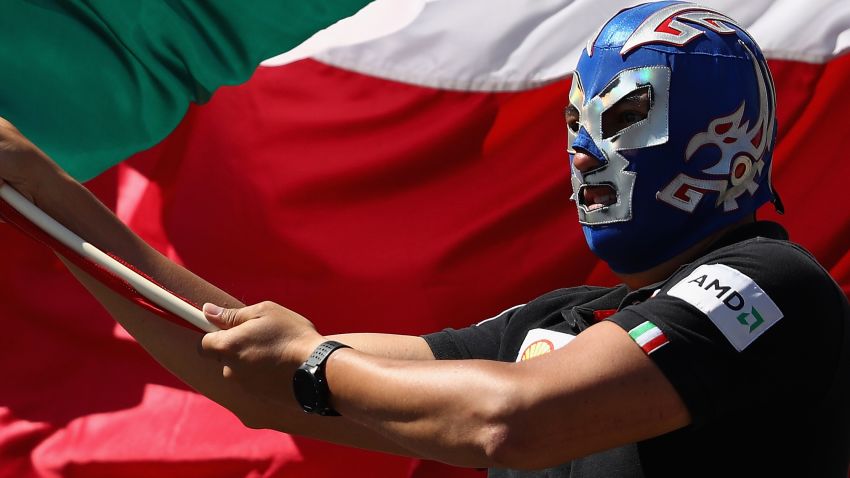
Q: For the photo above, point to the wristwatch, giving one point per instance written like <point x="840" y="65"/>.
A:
<point x="309" y="383"/>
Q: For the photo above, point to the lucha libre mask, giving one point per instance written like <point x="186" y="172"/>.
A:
<point x="698" y="160"/>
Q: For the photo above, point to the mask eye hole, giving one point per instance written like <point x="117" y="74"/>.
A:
<point x="630" y="110"/>
<point x="572" y="117"/>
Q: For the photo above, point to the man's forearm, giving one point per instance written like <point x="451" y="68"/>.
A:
<point x="76" y="208"/>
<point x="533" y="414"/>
<point x="451" y="411"/>
<point x="176" y="348"/>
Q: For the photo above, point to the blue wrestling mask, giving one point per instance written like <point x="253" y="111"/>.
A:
<point x="696" y="158"/>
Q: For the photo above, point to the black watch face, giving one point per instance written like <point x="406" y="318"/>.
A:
<point x="304" y="387"/>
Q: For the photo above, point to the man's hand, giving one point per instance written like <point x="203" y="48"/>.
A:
<point x="260" y="346"/>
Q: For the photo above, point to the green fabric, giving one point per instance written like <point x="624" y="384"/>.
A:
<point x="93" y="81"/>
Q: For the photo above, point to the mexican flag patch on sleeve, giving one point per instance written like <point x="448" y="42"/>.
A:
<point x="649" y="337"/>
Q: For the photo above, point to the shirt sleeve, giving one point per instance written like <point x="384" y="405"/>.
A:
<point x="479" y="341"/>
<point x="753" y="328"/>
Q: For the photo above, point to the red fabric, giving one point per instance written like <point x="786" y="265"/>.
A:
<point x="113" y="281"/>
<point x="600" y="315"/>
<point x="813" y="164"/>
<point x="364" y="204"/>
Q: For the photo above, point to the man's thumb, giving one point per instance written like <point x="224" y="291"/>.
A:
<point x="224" y="318"/>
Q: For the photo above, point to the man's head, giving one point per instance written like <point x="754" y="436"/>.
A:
<point x="671" y="127"/>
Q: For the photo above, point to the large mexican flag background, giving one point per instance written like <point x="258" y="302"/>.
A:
<point x="402" y="172"/>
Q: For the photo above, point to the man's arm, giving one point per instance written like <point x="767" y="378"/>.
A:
<point x="175" y="347"/>
<point x="598" y="392"/>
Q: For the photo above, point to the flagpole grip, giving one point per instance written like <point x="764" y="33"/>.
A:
<point x="143" y="286"/>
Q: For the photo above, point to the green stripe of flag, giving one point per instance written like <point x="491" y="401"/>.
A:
<point x="93" y="81"/>
<point x="640" y="329"/>
<point x="648" y="337"/>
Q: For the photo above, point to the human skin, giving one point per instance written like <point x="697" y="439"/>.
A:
<point x="598" y="392"/>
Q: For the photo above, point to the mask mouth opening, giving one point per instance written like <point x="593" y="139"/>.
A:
<point x="595" y="197"/>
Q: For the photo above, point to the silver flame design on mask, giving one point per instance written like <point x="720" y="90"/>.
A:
<point x="667" y="26"/>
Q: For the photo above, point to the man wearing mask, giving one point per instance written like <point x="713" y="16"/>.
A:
<point x="723" y="353"/>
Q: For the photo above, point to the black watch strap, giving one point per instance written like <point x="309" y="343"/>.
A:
<point x="310" y="383"/>
<point x="323" y="351"/>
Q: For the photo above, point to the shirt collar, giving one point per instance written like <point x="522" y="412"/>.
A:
<point x="768" y="229"/>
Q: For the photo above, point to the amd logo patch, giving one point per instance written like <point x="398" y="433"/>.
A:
<point x="734" y="302"/>
<point x="731" y="298"/>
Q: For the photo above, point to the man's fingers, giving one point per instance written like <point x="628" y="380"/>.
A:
<point x="226" y="318"/>
<point x="214" y="344"/>
<point x="227" y="372"/>
<point x="217" y="345"/>
<point x="224" y="343"/>
<point x="229" y="318"/>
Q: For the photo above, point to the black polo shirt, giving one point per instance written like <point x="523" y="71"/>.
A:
<point x="754" y="336"/>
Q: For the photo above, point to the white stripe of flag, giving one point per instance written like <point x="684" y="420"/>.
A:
<point x="648" y="336"/>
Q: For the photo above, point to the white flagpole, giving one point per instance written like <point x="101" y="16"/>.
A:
<point x="145" y="287"/>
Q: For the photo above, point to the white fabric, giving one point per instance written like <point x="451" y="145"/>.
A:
<point x="732" y="300"/>
<point x="503" y="45"/>
<point x="544" y="341"/>
<point x="378" y="19"/>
